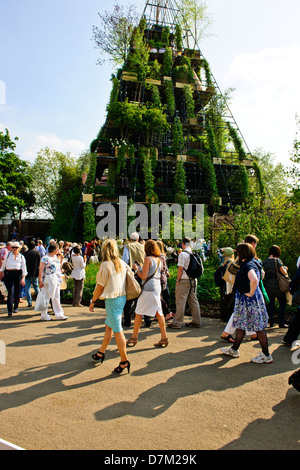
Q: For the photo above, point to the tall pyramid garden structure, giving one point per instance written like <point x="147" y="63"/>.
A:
<point x="169" y="135"/>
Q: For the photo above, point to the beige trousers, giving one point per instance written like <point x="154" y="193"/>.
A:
<point x="186" y="292"/>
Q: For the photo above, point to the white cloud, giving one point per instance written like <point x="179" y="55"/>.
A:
<point x="75" y="147"/>
<point x="267" y="97"/>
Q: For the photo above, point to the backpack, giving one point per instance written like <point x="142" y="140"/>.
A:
<point x="195" y="268"/>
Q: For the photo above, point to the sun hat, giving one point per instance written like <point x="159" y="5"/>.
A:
<point x="228" y="251"/>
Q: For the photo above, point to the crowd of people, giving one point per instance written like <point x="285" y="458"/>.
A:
<point x="248" y="288"/>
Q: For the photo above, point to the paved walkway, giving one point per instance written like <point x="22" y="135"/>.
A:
<point x="185" y="397"/>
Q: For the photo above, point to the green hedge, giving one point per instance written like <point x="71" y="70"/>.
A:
<point x="206" y="290"/>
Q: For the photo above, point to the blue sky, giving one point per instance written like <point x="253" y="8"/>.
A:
<point x="52" y="92"/>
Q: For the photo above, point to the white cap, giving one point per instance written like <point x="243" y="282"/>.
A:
<point x="134" y="236"/>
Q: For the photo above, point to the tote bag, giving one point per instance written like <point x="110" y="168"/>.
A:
<point x="133" y="288"/>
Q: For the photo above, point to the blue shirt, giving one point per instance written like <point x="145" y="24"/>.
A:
<point x="41" y="250"/>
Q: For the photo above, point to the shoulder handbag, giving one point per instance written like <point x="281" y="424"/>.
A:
<point x="283" y="281"/>
<point x="133" y="288"/>
<point x="233" y="268"/>
<point x="230" y="273"/>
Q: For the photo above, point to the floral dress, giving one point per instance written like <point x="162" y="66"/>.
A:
<point x="52" y="266"/>
<point x="250" y="313"/>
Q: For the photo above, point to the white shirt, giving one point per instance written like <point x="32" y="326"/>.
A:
<point x="79" y="264"/>
<point x="10" y="263"/>
<point x="184" y="261"/>
<point x="114" y="283"/>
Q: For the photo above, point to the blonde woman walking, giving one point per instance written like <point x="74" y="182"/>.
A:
<point x="111" y="282"/>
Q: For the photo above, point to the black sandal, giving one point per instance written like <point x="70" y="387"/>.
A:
<point x="228" y="338"/>
<point x="120" y="369"/>
<point x="96" y="356"/>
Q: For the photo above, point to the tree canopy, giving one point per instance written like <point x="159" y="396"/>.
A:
<point x="53" y="175"/>
<point x="15" y="179"/>
<point x="113" y="35"/>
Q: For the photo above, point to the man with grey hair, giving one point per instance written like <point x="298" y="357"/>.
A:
<point x="133" y="253"/>
<point x="186" y="291"/>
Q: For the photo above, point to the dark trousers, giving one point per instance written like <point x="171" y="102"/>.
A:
<point x="12" y="280"/>
<point x="127" y="313"/>
<point x="294" y="328"/>
<point x="271" y="309"/>
<point x="166" y="296"/>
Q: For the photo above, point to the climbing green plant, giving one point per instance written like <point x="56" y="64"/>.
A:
<point x="165" y="36"/>
<point x="237" y="142"/>
<point x="177" y="137"/>
<point x="149" y="179"/>
<point x="167" y="63"/>
<point x="125" y="150"/>
<point x="208" y="77"/>
<point x="261" y="185"/>
<point x="89" y="225"/>
<point x="178" y="37"/>
<point x="171" y="107"/>
<point x="155" y="97"/>
<point x="138" y="60"/>
<point x="244" y="183"/>
<point x="189" y="101"/>
<point x="180" y="184"/>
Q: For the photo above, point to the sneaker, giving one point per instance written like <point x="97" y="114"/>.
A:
<point x="46" y="317"/>
<point x="261" y="358"/>
<point x="295" y="346"/>
<point x="15" y="310"/>
<point x="230" y="352"/>
<point x="60" y="317"/>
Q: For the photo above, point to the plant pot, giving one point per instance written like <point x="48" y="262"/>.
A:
<point x="87" y="198"/>
<point x="193" y="121"/>
<point x="181" y="158"/>
<point x="152" y="81"/>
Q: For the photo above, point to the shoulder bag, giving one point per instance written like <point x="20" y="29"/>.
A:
<point x="283" y="281"/>
<point x="230" y="272"/>
<point x="133" y="288"/>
